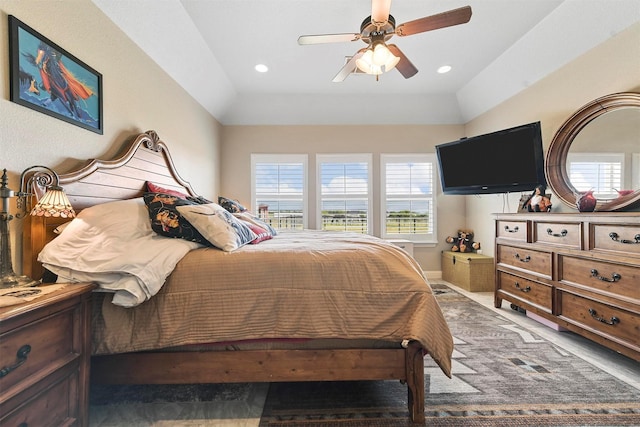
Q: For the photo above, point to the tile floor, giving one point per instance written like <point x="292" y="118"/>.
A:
<point x="246" y="413"/>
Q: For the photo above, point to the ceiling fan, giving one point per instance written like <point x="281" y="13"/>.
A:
<point x="375" y="30"/>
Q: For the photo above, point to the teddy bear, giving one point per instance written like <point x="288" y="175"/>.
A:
<point x="463" y="242"/>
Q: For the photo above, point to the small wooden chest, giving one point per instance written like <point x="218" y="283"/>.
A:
<point x="471" y="271"/>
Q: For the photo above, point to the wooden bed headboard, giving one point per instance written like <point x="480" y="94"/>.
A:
<point x="146" y="158"/>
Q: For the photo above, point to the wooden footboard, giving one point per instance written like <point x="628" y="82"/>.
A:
<point x="406" y="365"/>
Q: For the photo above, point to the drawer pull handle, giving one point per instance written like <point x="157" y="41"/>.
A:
<point x="525" y="259"/>
<point x="525" y="289"/>
<point x="614" y="236"/>
<point x="562" y="233"/>
<point x="513" y="230"/>
<point x="21" y="357"/>
<point x="614" y="277"/>
<point x="614" y="320"/>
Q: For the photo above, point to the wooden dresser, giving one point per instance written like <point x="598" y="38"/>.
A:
<point x="580" y="271"/>
<point x="44" y="359"/>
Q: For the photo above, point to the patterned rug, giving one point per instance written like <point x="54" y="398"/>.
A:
<point x="502" y="376"/>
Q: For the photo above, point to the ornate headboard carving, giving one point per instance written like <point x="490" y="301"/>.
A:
<point x="100" y="181"/>
<point x="146" y="158"/>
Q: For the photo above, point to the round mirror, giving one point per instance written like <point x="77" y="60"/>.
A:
<point x="598" y="148"/>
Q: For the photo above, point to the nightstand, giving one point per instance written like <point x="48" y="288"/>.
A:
<point x="45" y="350"/>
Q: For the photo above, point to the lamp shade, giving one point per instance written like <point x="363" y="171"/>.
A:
<point x="377" y="60"/>
<point x="54" y="203"/>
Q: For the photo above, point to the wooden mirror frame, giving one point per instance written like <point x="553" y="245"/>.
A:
<point x="556" y="159"/>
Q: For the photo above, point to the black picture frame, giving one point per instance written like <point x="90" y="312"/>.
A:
<point x="48" y="79"/>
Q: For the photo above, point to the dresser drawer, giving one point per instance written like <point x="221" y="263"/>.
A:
<point x="619" y="280"/>
<point x="529" y="260"/>
<point x="620" y="238"/>
<point x="565" y="234"/>
<point x="524" y="290"/>
<point x="611" y="322"/>
<point x="54" y="406"/>
<point x="515" y="230"/>
<point x="43" y="345"/>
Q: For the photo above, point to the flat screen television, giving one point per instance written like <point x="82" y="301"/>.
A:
<point x="505" y="161"/>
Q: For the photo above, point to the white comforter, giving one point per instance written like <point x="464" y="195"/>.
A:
<point x="90" y="249"/>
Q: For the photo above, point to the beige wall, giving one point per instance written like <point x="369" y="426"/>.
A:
<point x="239" y="142"/>
<point x="612" y="67"/>
<point x="138" y="96"/>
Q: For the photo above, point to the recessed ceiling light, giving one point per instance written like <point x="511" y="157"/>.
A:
<point x="261" y="68"/>
<point x="444" y="69"/>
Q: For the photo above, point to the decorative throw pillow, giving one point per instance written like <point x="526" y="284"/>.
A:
<point x="153" y="188"/>
<point x="166" y="219"/>
<point x="231" y="205"/>
<point x="249" y="217"/>
<point x="259" y="231"/>
<point x="218" y="226"/>
<point x="199" y="200"/>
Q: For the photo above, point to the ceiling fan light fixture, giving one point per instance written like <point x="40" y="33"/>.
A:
<point x="377" y="60"/>
<point x="378" y="28"/>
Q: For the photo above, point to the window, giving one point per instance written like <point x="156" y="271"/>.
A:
<point x="344" y="195"/>
<point x="600" y="172"/>
<point x="407" y="197"/>
<point x="279" y="189"/>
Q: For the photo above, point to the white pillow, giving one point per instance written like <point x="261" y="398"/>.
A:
<point x="217" y="225"/>
<point x="113" y="245"/>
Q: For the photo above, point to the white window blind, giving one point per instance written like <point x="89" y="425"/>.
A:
<point x="408" y="202"/>
<point x="279" y="189"/>
<point x="600" y="172"/>
<point x="345" y="192"/>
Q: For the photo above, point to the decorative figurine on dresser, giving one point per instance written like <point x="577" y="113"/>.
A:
<point x="538" y="201"/>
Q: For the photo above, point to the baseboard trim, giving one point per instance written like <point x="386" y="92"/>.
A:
<point x="433" y="274"/>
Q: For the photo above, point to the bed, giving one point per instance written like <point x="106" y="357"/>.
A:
<point x="300" y="306"/>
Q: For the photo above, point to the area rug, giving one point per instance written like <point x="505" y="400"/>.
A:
<point x="502" y="376"/>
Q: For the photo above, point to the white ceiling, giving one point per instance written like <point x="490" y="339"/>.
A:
<point x="210" y="47"/>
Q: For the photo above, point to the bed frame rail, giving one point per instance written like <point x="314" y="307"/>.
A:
<point x="406" y="365"/>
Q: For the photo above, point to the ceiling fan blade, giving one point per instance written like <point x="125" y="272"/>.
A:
<point x="328" y="38"/>
<point x="406" y="68"/>
<point x="349" y="67"/>
<point x="380" y="10"/>
<point x="434" y="22"/>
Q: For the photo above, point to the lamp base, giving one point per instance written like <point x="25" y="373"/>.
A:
<point x="14" y="281"/>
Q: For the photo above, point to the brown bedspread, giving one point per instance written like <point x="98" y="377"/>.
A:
<point x="306" y="284"/>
